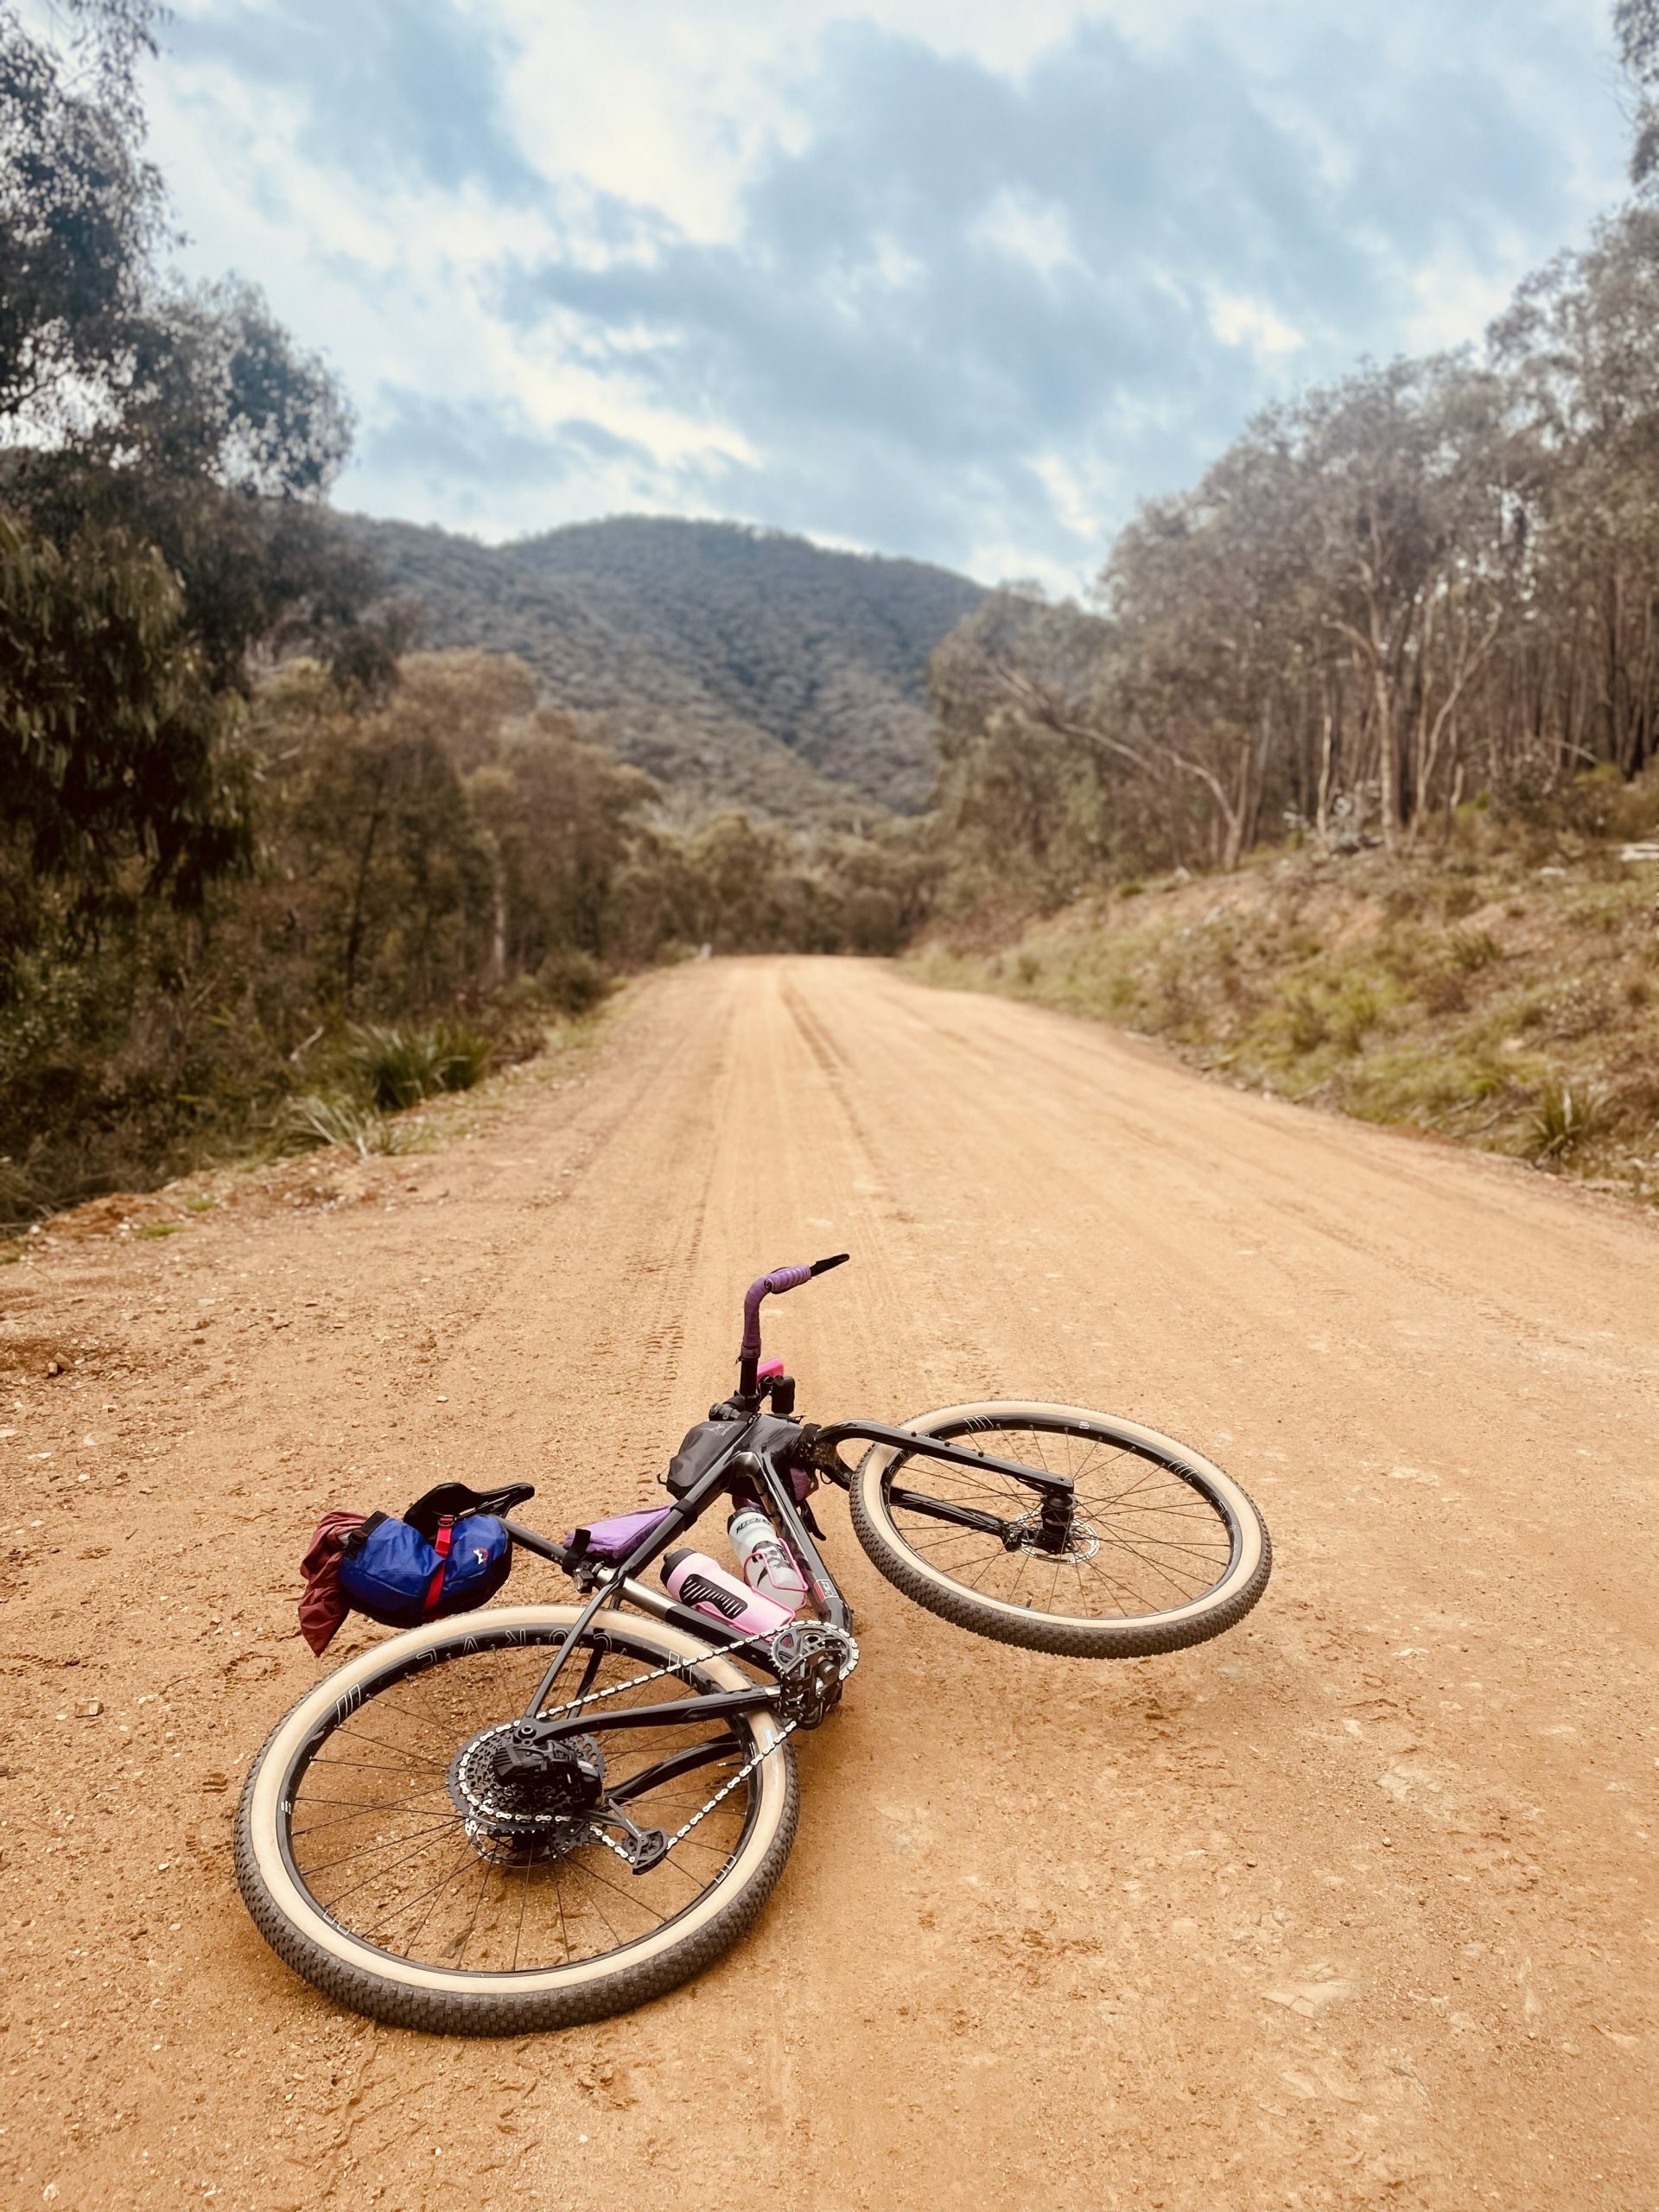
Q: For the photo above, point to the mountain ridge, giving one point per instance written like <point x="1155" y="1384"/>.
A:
<point x="733" y="664"/>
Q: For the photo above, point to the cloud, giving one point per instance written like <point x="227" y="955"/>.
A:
<point x="389" y="89"/>
<point x="448" y="445"/>
<point x="966" y="295"/>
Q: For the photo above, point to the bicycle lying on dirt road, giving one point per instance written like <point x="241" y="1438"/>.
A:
<point x="540" y="1815"/>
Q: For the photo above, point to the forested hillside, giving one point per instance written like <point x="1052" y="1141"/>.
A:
<point x="733" y="664"/>
<point x="1436" y="579"/>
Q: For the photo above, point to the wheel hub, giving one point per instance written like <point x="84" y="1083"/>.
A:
<point x="1026" y="1535"/>
<point x="524" y="1791"/>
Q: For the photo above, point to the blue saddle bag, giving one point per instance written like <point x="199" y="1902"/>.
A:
<point x="430" y="1563"/>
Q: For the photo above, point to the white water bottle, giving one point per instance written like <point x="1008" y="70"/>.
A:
<point x="764" y="1561"/>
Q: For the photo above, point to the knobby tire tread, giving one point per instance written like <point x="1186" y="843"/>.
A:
<point x="452" y="2013"/>
<point x="1062" y="1639"/>
<point x="441" y="2013"/>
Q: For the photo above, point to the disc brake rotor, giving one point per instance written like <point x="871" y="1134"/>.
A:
<point x="1082" y="1539"/>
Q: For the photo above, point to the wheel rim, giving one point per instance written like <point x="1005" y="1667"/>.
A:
<point x="1155" y="1537"/>
<point x="372" y="1837"/>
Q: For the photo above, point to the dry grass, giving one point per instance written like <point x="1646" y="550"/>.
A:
<point x="1502" y="990"/>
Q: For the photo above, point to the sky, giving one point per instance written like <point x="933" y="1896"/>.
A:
<point x="959" y="279"/>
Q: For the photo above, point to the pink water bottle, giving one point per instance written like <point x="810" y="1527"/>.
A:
<point x="697" y="1580"/>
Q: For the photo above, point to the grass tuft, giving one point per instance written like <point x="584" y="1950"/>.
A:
<point x="1562" y="1120"/>
<point x="331" y="1117"/>
<point x="395" y="1068"/>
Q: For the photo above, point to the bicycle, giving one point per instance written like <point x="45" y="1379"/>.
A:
<point x="429" y="1837"/>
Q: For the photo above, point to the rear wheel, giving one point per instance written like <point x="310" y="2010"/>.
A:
<point x="1163" y="1549"/>
<point x="388" y="1853"/>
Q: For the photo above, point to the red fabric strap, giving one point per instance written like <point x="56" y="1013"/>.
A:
<point x="441" y="1542"/>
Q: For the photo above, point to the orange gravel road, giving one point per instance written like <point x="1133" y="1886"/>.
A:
<point x="1355" y="1907"/>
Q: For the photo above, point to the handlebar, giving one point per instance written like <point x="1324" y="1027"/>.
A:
<point x="771" y="1286"/>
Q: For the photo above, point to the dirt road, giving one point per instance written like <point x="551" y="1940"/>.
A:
<point x="1356" y="1906"/>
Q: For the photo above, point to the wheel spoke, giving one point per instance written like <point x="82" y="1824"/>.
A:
<point x="1138" y="1546"/>
<point x="434" y="1881"/>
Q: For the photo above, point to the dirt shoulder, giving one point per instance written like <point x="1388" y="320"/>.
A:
<point x="1501" y="990"/>
<point x="1355" y="1907"/>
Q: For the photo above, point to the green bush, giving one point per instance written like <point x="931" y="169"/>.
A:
<point x="394" y="1068"/>
<point x="572" y="981"/>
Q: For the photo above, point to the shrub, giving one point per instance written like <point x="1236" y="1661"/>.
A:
<point x="1310" y="1026"/>
<point x="1562" y="1120"/>
<point x="1443" y="990"/>
<point x="572" y="981"/>
<point x="1357" y="1009"/>
<point x="1472" y="949"/>
<point x="19" y="1198"/>
<point x="396" y="1068"/>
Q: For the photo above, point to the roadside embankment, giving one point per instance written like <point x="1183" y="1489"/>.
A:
<point x="1500" y="988"/>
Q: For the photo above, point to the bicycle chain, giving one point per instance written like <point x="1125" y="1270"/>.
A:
<point x="849" y="1660"/>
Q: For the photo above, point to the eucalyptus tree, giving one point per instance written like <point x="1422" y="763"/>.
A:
<point x="1578" y="347"/>
<point x="1415" y="544"/>
<point x="1637" y="25"/>
<point x="165" y="453"/>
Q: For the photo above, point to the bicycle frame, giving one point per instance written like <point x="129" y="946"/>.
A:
<point x="758" y="1473"/>
<point x="759" y="1463"/>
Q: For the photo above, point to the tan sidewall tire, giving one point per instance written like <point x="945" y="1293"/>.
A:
<point x="414" y="1995"/>
<point x="1070" y="1636"/>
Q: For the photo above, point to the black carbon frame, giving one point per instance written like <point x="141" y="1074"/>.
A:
<point x="760" y="1473"/>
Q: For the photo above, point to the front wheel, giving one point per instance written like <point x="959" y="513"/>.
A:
<point x="388" y="1852"/>
<point x="1161" y="1549"/>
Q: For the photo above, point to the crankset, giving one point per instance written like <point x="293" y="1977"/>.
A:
<point x="813" y="1659"/>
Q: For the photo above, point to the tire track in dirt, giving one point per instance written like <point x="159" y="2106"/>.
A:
<point x="1347" y="1910"/>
